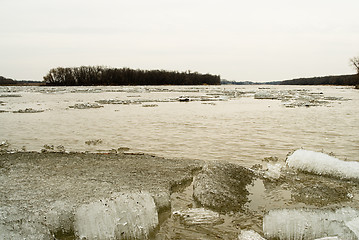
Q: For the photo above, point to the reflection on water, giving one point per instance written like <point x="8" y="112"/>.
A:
<point x="225" y="123"/>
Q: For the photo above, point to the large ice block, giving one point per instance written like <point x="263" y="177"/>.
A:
<point x="124" y="216"/>
<point x="299" y="224"/>
<point x="323" y="164"/>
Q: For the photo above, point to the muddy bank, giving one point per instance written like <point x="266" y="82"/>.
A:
<point x="138" y="196"/>
<point x="40" y="192"/>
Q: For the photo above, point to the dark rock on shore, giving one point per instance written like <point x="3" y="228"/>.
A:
<point x="222" y="186"/>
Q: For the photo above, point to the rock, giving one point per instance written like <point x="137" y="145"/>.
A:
<point x="222" y="186"/>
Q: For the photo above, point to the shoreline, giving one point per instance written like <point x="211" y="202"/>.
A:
<point x="35" y="184"/>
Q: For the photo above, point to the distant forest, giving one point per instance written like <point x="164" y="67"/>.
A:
<point x="350" y="80"/>
<point x="328" y="80"/>
<point x="98" y="75"/>
<point x="7" y="81"/>
<point x="11" y="82"/>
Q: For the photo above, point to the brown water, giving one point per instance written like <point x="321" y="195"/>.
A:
<point x="239" y="129"/>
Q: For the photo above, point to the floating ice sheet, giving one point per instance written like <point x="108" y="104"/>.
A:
<point x="323" y="164"/>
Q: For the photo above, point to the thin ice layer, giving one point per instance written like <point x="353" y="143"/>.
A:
<point x="310" y="224"/>
<point x="125" y="216"/>
<point x="323" y="164"/>
<point x="198" y="216"/>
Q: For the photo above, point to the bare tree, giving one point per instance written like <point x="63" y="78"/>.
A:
<point x="355" y="63"/>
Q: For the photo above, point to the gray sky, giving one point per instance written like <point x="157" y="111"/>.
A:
<point x="258" y="40"/>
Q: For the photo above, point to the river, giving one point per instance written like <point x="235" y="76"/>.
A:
<point x="224" y="123"/>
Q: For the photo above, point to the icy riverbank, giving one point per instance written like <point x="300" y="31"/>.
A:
<point x="87" y="195"/>
<point x="120" y="196"/>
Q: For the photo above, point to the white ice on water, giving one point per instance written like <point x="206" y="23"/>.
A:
<point x="323" y="164"/>
<point x="124" y="216"/>
<point x="273" y="170"/>
<point x="300" y="224"/>
<point x="198" y="216"/>
<point x="249" y="235"/>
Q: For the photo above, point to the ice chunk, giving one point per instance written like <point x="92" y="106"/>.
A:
<point x="86" y="105"/>
<point x="222" y="186"/>
<point x="249" y="235"/>
<point x="124" y="216"/>
<point x="328" y="238"/>
<point x="16" y="224"/>
<point x="28" y="110"/>
<point x="310" y="223"/>
<point x="353" y="225"/>
<point x="162" y="200"/>
<point x="59" y="217"/>
<point x="265" y="95"/>
<point x="195" y="216"/>
<point x="323" y="164"/>
<point x="273" y="170"/>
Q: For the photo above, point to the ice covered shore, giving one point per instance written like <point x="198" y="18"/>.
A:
<point x="96" y="196"/>
<point x="323" y="164"/>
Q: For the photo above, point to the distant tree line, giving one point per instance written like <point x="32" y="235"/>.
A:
<point x="11" y="82"/>
<point x="98" y="75"/>
<point x="328" y="80"/>
<point x="7" y="81"/>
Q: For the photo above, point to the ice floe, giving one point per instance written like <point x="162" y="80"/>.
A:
<point x="323" y="164"/>
<point x="297" y="98"/>
<point x="86" y="105"/>
<point x="28" y="110"/>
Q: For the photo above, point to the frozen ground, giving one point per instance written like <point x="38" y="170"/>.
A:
<point x="46" y="194"/>
<point x="132" y="196"/>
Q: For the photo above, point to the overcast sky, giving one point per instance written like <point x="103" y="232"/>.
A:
<point x="258" y="40"/>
